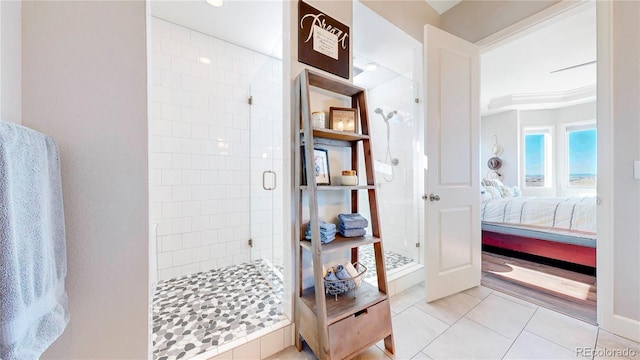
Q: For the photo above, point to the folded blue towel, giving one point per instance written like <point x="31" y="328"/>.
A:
<point x="336" y="287"/>
<point x="324" y="227"/>
<point x="343" y="274"/>
<point x="353" y="221"/>
<point x="324" y="239"/>
<point x="327" y="226"/>
<point x="322" y="232"/>
<point x="327" y="232"/>
<point x="331" y="276"/>
<point x="352" y="232"/>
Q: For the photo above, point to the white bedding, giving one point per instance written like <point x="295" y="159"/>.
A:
<point x="570" y="213"/>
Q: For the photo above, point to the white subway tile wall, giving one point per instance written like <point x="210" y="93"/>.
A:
<point x="209" y="149"/>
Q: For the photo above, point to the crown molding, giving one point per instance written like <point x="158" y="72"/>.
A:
<point x="544" y="100"/>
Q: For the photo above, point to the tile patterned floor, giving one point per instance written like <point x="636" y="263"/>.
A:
<point x="200" y="312"/>
<point x="205" y="311"/>
<point x="484" y="324"/>
<point x="392" y="260"/>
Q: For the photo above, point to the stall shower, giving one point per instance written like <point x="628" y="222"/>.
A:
<point x="387" y="63"/>
<point x="216" y="198"/>
<point x="395" y="134"/>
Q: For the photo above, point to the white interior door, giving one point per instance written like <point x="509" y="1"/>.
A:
<point x="452" y="147"/>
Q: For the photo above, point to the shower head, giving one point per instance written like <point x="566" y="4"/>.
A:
<point x="387" y="117"/>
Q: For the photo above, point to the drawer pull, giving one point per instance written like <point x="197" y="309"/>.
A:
<point x="363" y="311"/>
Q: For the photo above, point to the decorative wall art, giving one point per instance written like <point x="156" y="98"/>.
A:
<point x="323" y="42"/>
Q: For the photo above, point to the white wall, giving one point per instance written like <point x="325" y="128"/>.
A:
<point x="505" y="126"/>
<point x="85" y="84"/>
<point x="410" y="16"/>
<point x="10" y="61"/>
<point x="620" y="299"/>
<point x="202" y="142"/>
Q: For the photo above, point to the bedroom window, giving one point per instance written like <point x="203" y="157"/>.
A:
<point x="537" y="157"/>
<point x="581" y="155"/>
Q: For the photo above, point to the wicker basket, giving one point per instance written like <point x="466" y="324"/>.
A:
<point x="337" y="287"/>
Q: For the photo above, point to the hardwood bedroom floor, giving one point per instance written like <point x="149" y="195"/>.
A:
<point x="561" y="290"/>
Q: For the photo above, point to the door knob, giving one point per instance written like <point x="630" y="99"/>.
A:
<point x="434" y="197"/>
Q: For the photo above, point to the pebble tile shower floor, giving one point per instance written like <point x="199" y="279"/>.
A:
<point x="198" y="313"/>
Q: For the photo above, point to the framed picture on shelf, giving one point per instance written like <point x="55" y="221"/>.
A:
<point x="343" y="119"/>
<point x="321" y="164"/>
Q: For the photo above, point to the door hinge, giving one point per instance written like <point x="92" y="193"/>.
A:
<point x="250" y="100"/>
<point x="250" y="242"/>
<point x="417" y="100"/>
<point x="417" y="245"/>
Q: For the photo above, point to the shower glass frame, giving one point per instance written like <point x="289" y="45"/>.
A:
<point x="401" y="216"/>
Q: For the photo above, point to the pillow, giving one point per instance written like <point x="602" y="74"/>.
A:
<point x="494" y="192"/>
<point x="498" y="186"/>
<point x="507" y="192"/>
<point x="484" y="194"/>
<point x="517" y="192"/>
<point x="492" y="182"/>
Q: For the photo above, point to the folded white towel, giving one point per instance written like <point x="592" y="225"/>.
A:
<point x="33" y="262"/>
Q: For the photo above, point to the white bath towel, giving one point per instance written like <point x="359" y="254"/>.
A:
<point x="33" y="262"/>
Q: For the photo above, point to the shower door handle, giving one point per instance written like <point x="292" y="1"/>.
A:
<point x="264" y="180"/>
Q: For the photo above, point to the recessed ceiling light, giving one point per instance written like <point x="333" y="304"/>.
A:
<point x="371" y="66"/>
<point x="205" y="60"/>
<point x="216" y="3"/>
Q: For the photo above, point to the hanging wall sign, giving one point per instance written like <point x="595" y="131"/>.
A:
<point x="323" y="42"/>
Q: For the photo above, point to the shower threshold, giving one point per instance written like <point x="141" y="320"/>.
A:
<point x="393" y="261"/>
<point x="210" y="312"/>
<point x="402" y="272"/>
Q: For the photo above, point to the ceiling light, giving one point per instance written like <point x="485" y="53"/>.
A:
<point x="371" y="66"/>
<point x="215" y="3"/>
<point x="205" y="60"/>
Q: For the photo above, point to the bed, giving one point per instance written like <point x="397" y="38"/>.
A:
<point x="557" y="228"/>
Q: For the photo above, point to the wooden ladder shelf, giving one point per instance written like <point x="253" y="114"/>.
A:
<point x="344" y="328"/>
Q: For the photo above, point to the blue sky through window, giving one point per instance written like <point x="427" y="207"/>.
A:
<point x="534" y="154"/>
<point x="583" y="152"/>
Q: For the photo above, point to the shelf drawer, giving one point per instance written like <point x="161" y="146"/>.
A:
<point x="360" y="330"/>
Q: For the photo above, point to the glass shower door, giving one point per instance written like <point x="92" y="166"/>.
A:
<point x="394" y="125"/>
<point x="266" y="165"/>
<point x="392" y="80"/>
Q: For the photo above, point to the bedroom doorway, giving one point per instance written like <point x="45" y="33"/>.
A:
<point x="538" y="160"/>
